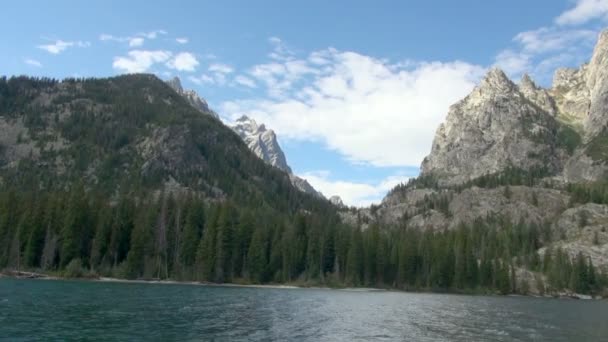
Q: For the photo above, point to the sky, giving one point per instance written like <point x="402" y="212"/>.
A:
<point x="354" y="89"/>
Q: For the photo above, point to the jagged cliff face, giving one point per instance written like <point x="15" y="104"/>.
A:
<point x="501" y="125"/>
<point x="571" y="96"/>
<point x="263" y="142"/>
<point x="493" y="128"/>
<point x="597" y="84"/>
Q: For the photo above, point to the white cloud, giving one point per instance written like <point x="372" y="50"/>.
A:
<point x="202" y="79"/>
<point x="183" y="61"/>
<point x="140" y="60"/>
<point x="33" y="62"/>
<point x="584" y="11"/>
<point x="182" y="40"/>
<point x="353" y="193"/>
<point x="59" y="46"/>
<point x="538" y="51"/>
<point x="152" y="34"/>
<point x="280" y="51"/>
<point x="512" y="62"/>
<point x="137" y="41"/>
<point x="221" y="68"/>
<point x="367" y="109"/>
<point x="245" y="81"/>
<point x="547" y="39"/>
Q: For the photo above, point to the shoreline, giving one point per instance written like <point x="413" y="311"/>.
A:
<point x="42" y="276"/>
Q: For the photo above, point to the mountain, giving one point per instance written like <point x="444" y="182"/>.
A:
<point x="192" y="97"/>
<point x="501" y="125"/>
<point x="518" y="159"/>
<point x="126" y="133"/>
<point x="123" y="177"/>
<point x="494" y="128"/>
<point x="263" y="142"/>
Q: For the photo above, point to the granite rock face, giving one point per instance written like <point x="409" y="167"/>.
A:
<point x="597" y="84"/>
<point x="494" y="128"/>
<point x="501" y="125"/>
<point x="263" y="142"/>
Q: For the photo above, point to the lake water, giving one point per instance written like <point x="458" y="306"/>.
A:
<point x="73" y="310"/>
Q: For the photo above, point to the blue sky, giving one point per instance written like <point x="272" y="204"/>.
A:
<point x="354" y="89"/>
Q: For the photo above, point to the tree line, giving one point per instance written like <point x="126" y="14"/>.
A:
<point x="184" y="237"/>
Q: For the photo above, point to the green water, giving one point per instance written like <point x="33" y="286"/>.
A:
<point x="78" y="310"/>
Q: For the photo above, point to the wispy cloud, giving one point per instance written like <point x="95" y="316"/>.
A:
<point x="183" y="61"/>
<point x="202" y="79"/>
<point x="280" y="50"/>
<point x="245" y="81"/>
<point x="182" y="40"/>
<point x="221" y="68"/>
<point x="58" y="46"/>
<point x="357" y="194"/>
<point x="140" y="60"/>
<point x="584" y="11"/>
<point x="135" y="40"/>
<point x="33" y="62"/>
<point x="540" y="51"/>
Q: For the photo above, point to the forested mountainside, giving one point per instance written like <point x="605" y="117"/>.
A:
<point x="124" y="177"/>
<point x="125" y="143"/>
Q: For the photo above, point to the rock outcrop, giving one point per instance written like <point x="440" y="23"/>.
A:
<point x="192" y="97"/>
<point x="263" y="142"/>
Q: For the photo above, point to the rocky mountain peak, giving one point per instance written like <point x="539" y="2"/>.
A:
<point x="527" y="83"/>
<point x="537" y="95"/>
<point x="176" y="84"/>
<point x="496" y="81"/>
<point x="191" y="96"/>
<point x="337" y="201"/>
<point x="494" y="128"/>
<point x="263" y="142"/>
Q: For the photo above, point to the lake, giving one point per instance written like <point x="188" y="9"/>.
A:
<point x="53" y="310"/>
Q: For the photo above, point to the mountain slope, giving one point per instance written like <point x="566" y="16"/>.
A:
<point x="127" y="133"/>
